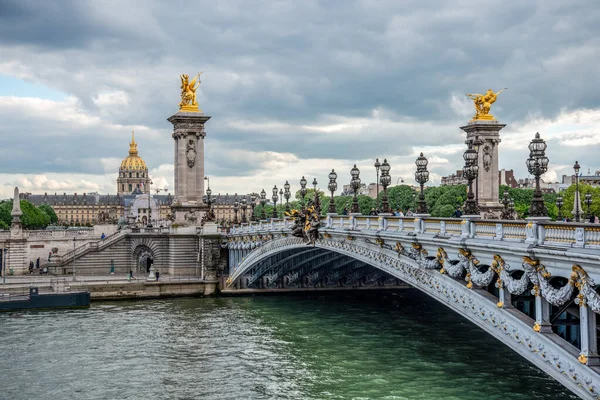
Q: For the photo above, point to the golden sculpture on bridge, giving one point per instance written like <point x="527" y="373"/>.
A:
<point x="188" y="93"/>
<point x="483" y="103"/>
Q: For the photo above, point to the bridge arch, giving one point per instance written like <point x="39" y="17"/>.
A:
<point x="144" y="249"/>
<point x="480" y="307"/>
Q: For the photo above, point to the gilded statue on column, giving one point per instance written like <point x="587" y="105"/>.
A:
<point x="483" y="104"/>
<point x="188" y="93"/>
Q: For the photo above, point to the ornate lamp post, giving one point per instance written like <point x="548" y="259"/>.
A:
<point x="386" y="179"/>
<point x="263" y="202"/>
<point x="316" y="200"/>
<point x="511" y="209"/>
<point x="355" y="184"/>
<point x="537" y="164"/>
<point x="281" y="202"/>
<point x="576" y="168"/>
<point x="422" y="176"/>
<point x="559" y="204"/>
<point x="252" y="205"/>
<point x="274" y="198"/>
<point x="588" y="203"/>
<point x="244" y="208"/>
<point x="506" y="202"/>
<point x="208" y="199"/>
<point x="287" y="195"/>
<point x="303" y="190"/>
<point x="236" y="205"/>
<point x="470" y="171"/>
<point x="332" y="188"/>
<point x="377" y="165"/>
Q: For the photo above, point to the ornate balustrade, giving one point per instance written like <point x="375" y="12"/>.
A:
<point x="540" y="233"/>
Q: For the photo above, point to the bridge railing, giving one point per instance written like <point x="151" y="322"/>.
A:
<point x="540" y="232"/>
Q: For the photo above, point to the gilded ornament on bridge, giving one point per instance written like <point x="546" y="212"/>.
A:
<point x="483" y="104"/>
<point x="306" y="224"/>
<point x="188" y="93"/>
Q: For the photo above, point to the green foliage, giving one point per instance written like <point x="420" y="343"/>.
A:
<point x="523" y="197"/>
<point x="50" y="212"/>
<point x="443" y="200"/>
<point x="400" y="197"/>
<point x="32" y="218"/>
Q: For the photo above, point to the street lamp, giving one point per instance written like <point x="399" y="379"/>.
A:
<point x="316" y="200"/>
<point x="252" y="205"/>
<point x="332" y="186"/>
<point x="355" y="184"/>
<point x="422" y="176"/>
<point x="274" y="198"/>
<point x="400" y="179"/>
<point x="208" y="199"/>
<point x="244" y="208"/>
<point x="386" y="179"/>
<point x="470" y="171"/>
<point x="263" y="203"/>
<point x="236" y="204"/>
<point x="577" y="212"/>
<point x="377" y="165"/>
<point x="506" y="212"/>
<point x="559" y="204"/>
<point x="149" y="222"/>
<point x="511" y="208"/>
<point x="537" y="164"/>
<point x="73" y="259"/>
<point x="302" y="189"/>
<point x="588" y="203"/>
<point x="287" y="195"/>
<point x="281" y="202"/>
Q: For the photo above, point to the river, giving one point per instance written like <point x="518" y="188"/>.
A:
<point x="384" y="345"/>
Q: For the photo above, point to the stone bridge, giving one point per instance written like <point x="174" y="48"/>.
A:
<point x="530" y="284"/>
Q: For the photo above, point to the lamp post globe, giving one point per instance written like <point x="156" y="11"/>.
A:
<point x="332" y="186"/>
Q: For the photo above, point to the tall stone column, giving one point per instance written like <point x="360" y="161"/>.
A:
<point x="485" y="137"/>
<point x="188" y="136"/>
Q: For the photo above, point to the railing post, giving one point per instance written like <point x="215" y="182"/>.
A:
<point x="443" y="228"/>
<point x="579" y="237"/>
<point x="587" y="328"/>
<point x="382" y="224"/>
<point x="499" y="231"/>
<point x="400" y="225"/>
<point x="531" y="232"/>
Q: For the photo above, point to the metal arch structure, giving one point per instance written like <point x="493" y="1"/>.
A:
<point x="460" y="282"/>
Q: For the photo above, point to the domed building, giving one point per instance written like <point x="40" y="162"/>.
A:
<point x="133" y="172"/>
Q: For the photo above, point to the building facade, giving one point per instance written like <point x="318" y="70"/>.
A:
<point x="133" y="202"/>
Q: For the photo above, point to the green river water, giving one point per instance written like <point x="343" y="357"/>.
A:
<point x="384" y="345"/>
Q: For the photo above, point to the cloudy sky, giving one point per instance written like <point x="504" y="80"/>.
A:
<point x="293" y="87"/>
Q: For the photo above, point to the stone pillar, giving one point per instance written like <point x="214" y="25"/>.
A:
<point x="188" y="136"/>
<point x="485" y="137"/>
<point x="587" y="330"/>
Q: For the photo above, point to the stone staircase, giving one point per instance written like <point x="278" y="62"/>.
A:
<point x="95" y="258"/>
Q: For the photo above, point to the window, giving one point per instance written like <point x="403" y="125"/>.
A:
<point x="137" y="174"/>
<point x="122" y="187"/>
<point x="130" y="174"/>
<point x="130" y="187"/>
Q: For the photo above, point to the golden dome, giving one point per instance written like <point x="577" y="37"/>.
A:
<point x="133" y="162"/>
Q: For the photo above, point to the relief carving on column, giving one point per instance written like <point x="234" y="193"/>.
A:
<point x="487" y="157"/>
<point x="190" y="153"/>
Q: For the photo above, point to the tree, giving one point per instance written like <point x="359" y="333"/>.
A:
<point x="399" y="197"/>
<point x="50" y="212"/>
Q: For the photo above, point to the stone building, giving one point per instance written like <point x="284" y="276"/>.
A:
<point x="223" y="206"/>
<point x="130" y="204"/>
<point x="454" y="179"/>
<point x="133" y="172"/>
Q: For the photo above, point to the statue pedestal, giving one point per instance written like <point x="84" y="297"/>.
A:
<point x="484" y="135"/>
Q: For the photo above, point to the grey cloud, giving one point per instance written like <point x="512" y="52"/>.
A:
<point x="290" y="61"/>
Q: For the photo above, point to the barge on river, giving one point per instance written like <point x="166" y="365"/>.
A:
<point x="37" y="300"/>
